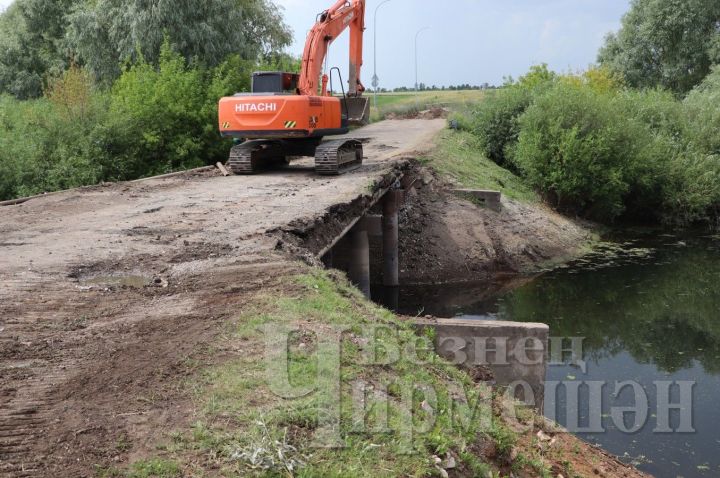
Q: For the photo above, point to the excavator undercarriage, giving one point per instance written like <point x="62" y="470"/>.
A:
<point x="332" y="157"/>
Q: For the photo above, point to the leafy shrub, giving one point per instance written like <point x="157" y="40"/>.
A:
<point x="537" y="76"/>
<point x="463" y="120"/>
<point x="599" y="79"/>
<point x="577" y="151"/>
<point x="155" y="116"/>
<point x="496" y="118"/>
<point x="154" y="120"/>
<point x="165" y="119"/>
<point x="593" y="147"/>
<point x="659" y="125"/>
<point x="496" y="122"/>
<point x="47" y="144"/>
<point x="658" y="109"/>
<point x="71" y="93"/>
<point x="703" y="108"/>
<point x="692" y="190"/>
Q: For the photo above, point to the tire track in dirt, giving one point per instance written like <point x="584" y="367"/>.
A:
<point x="36" y="355"/>
<point x="24" y="420"/>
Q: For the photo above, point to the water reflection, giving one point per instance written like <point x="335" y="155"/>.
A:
<point x="649" y="310"/>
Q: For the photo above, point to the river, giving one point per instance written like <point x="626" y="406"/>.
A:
<point x="647" y="306"/>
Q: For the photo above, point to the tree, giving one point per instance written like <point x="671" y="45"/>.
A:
<point x="39" y="39"/>
<point x="668" y="43"/>
<point x="106" y="33"/>
<point x="31" y="45"/>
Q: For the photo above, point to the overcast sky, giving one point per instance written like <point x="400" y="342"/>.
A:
<point x="469" y="41"/>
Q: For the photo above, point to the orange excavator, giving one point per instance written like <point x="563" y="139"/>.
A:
<point x="287" y="114"/>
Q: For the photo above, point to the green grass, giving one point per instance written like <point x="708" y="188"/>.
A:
<point x="404" y="103"/>
<point x="244" y="429"/>
<point x="459" y="157"/>
<point x="155" y="468"/>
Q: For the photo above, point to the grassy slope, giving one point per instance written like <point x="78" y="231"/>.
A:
<point x="238" y="415"/>
<point x="459" y="157"/>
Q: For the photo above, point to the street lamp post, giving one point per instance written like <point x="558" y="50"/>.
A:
<point x="375" y="79"/>
<point x="417" y="85"/>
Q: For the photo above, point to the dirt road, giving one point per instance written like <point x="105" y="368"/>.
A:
<point x="107" y="292"/>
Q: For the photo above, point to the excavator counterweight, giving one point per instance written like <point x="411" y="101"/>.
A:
<point x="288" y="114"/>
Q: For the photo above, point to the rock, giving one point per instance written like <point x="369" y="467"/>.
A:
<point x="442" y="472"/>
<point x="542" y="436"/>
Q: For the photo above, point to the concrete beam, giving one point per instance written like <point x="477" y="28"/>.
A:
<point x="360" y="258"/>
<point x="377" y="196"/>
<point x="391" y="238"/>
<point x="512" y="351"/>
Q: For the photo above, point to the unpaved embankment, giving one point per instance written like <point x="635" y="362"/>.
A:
<point x="111" y="296"/>
<point x="447" y="238"/>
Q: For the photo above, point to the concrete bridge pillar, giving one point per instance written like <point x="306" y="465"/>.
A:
<point x="390" y="233"/>
<point x="360" y="257"/>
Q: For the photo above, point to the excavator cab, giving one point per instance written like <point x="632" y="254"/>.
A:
<point x="355" y="109"/>
<point x="277" y="82"/>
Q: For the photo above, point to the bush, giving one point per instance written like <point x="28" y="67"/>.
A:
<point x="155" y="116"/>
<point x="703" y="108"/>
<point x="603" y="80"/>
<point x="577" y="151"/>
<point x="692" y="192"/>
<point x="495" y="119"/>
<point x="154" y="120"/>
<point x="659" y="124"/>
<point x="47" y="144"/>
<point x="592" y="147"/>
<point x="628" y="154"/>
<point x="165" y="119"/>
<point x="496" y="122"/>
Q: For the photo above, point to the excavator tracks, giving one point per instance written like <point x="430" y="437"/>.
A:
<point x="240" y="161"/>
<point x="251" y="156"/>
<point x="339" y="156"/>
<point x="332" y="158"/>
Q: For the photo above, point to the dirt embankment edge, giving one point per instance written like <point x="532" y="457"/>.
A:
<point x="446" y="238"/>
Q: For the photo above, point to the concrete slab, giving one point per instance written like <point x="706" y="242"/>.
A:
<point x="514" y="352"/>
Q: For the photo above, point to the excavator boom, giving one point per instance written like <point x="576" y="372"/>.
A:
<point x="344" y="14"/>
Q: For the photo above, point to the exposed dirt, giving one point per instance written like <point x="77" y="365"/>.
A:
<point x="432" y="113"/>
<point x="446" y="238"/>
<point x="558" y="451"/>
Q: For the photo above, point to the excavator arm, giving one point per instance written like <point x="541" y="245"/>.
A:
<point x="331" y="23"/>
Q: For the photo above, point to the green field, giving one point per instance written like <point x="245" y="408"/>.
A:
<point x="402" y="103"/>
